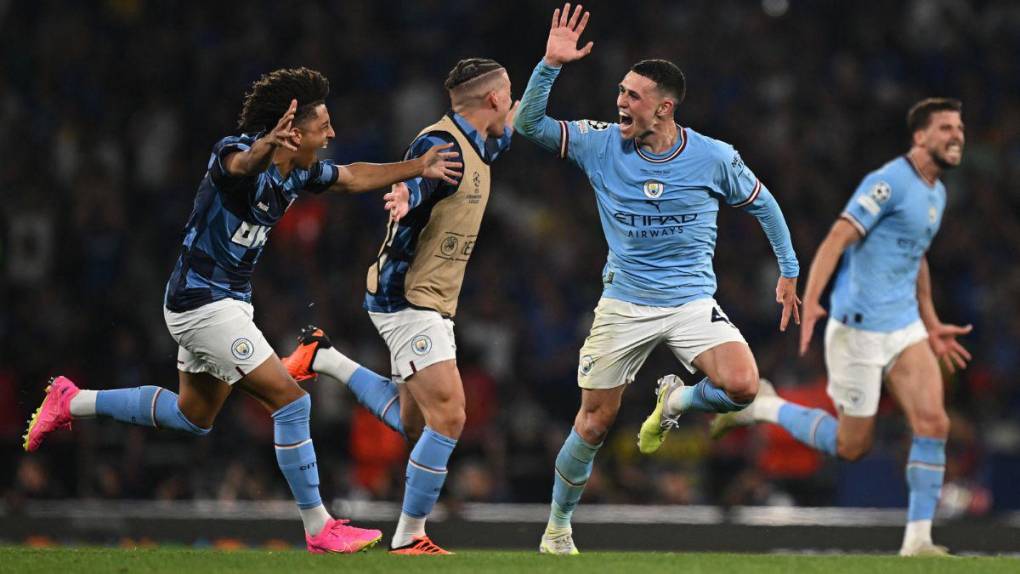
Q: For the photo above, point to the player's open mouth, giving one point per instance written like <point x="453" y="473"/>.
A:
<point x="626" y="120"/>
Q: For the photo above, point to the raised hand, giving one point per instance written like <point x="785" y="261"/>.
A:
<point x="786" y="293"/>
<point x="564" y="34"/>
<point x="397" y="201"/>
<point x="283" y="134"/>
<point x="439" y="164"/>
<point x="942" y="339"/>
<point x="809" y="315"/>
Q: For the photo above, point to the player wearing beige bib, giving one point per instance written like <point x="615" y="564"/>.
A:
<point x="412" y="294"/>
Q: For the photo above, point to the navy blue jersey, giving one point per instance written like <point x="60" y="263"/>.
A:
<point x="230" y="224"/>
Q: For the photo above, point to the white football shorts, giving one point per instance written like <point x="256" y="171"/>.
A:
<point x="624" y="334"/>
<point x="219" y="338"/>
<point x="417" y="338"/>
<point x="858" y="360"/>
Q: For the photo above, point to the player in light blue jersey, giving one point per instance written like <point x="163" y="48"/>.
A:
<point x="250" y="182"/>
<point x="882" y="322"/>
<point x="658" y="186"/>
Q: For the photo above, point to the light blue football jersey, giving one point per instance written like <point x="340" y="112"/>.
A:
<point x="658" y="211"/>
<point x="898" y="213"/>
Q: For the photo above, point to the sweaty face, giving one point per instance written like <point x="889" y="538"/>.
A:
<point x="315" y="132"/>
<point x="943" y="139"/>
<point x="636" y="103"/>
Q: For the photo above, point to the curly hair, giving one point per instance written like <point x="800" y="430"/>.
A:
<point x="468" y="69"/>
<point x="271" y="94"/>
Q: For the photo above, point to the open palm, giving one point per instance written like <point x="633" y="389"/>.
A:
<point x="564" y="34"/>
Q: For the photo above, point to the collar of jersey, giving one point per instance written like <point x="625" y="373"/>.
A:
<point x="917" y="172"/>
<point x="678" y="148"/>
<point x="470" y="132"/>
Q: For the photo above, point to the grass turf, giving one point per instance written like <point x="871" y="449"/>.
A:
<point x="124" y="561"/>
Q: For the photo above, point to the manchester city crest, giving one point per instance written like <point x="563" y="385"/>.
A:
<point x="587" y="362"/>
<point x="654" y="189"/>
<point x="242" y="349"/>
<point x="421" y="345"/>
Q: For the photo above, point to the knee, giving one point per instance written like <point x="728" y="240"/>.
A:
<point x="852" y="449"/>
<point x="741" y="384"/>
<point x="448" y="419"/>
<point x="593" y="426"/>
<point x="934" y="424"/>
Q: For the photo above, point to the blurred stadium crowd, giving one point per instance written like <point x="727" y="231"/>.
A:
<point x="109" y="109"/>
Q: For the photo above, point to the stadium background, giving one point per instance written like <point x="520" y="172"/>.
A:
<point x="109" y="109"/>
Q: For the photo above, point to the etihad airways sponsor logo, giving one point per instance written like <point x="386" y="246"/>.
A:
<point x="658" y="220"/>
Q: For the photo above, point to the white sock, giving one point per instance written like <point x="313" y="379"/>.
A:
<point x="83" y="405"/>
<point x="766" y="409"/>
<point x="918" y="532"/>
<point x="407" y="528"/>
<point x="676" y="402"/>
<point x="314" y="519"/>
<point x="551" y="529"/>
<point x="335" y="364"/>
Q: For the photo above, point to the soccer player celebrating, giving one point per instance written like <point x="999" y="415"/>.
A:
<point x="250" y="182"/>
<point x="658" y="186"/>
<point x="413" y="288"/>
<point x="883" y="324"/>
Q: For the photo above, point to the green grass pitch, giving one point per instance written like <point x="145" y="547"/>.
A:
<point x="124" y="561"/>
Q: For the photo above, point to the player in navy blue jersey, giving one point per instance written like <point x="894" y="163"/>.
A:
<point x="658" y="186"/>
<point x="882" y="321"/>
<point x="249" y="183"/>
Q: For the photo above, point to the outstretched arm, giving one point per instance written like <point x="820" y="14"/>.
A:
<point x="561" y="48"/>
<point x="436" y="163"/>
<point x="941" y="336"/>
<point x="842" y="235"/>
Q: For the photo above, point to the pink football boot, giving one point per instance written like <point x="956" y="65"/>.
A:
<point x="337" y="537"/>
<point x="54" y="412"/>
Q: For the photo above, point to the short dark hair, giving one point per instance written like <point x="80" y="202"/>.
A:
<point x="666" y="75"/>
<point x="271" y="94"/>
<point x="469" y="69"/>
<point x="920" y="113"/>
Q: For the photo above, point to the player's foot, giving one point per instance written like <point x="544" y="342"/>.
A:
<point x="653" y="430"/>
<point x="925" y="549"/>
<point x="420" y="546"/>
<point x="54" y="412"/>
<point x="340" y="538"/>
<point x="299" y="363"/>
<point x="559" y="542"/>
<point x="725" y="422"/>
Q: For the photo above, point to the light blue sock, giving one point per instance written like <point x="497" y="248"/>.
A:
<point x="146" y="406"/>
<point x="813" y="427"/>
<point x="379" y="395"/>
<point x="573" y="467"/>
<point x="426" y="472"/>
<point x="295" y="453"/>
<point x="707" y="398"/>
<point x="926" y="467"/>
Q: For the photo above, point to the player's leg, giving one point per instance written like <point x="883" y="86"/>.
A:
<point x="916" y="382"/>
<point x="290" y="406"/>
<point x="702" y="338"/>
<point x="315" y="353"/>
<point x="412" y="420"/>
<point x="854" y="362"/>
<point x="621" y="338"/>
<point x="575" y="462"/>
<point x="439" y="394"/>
